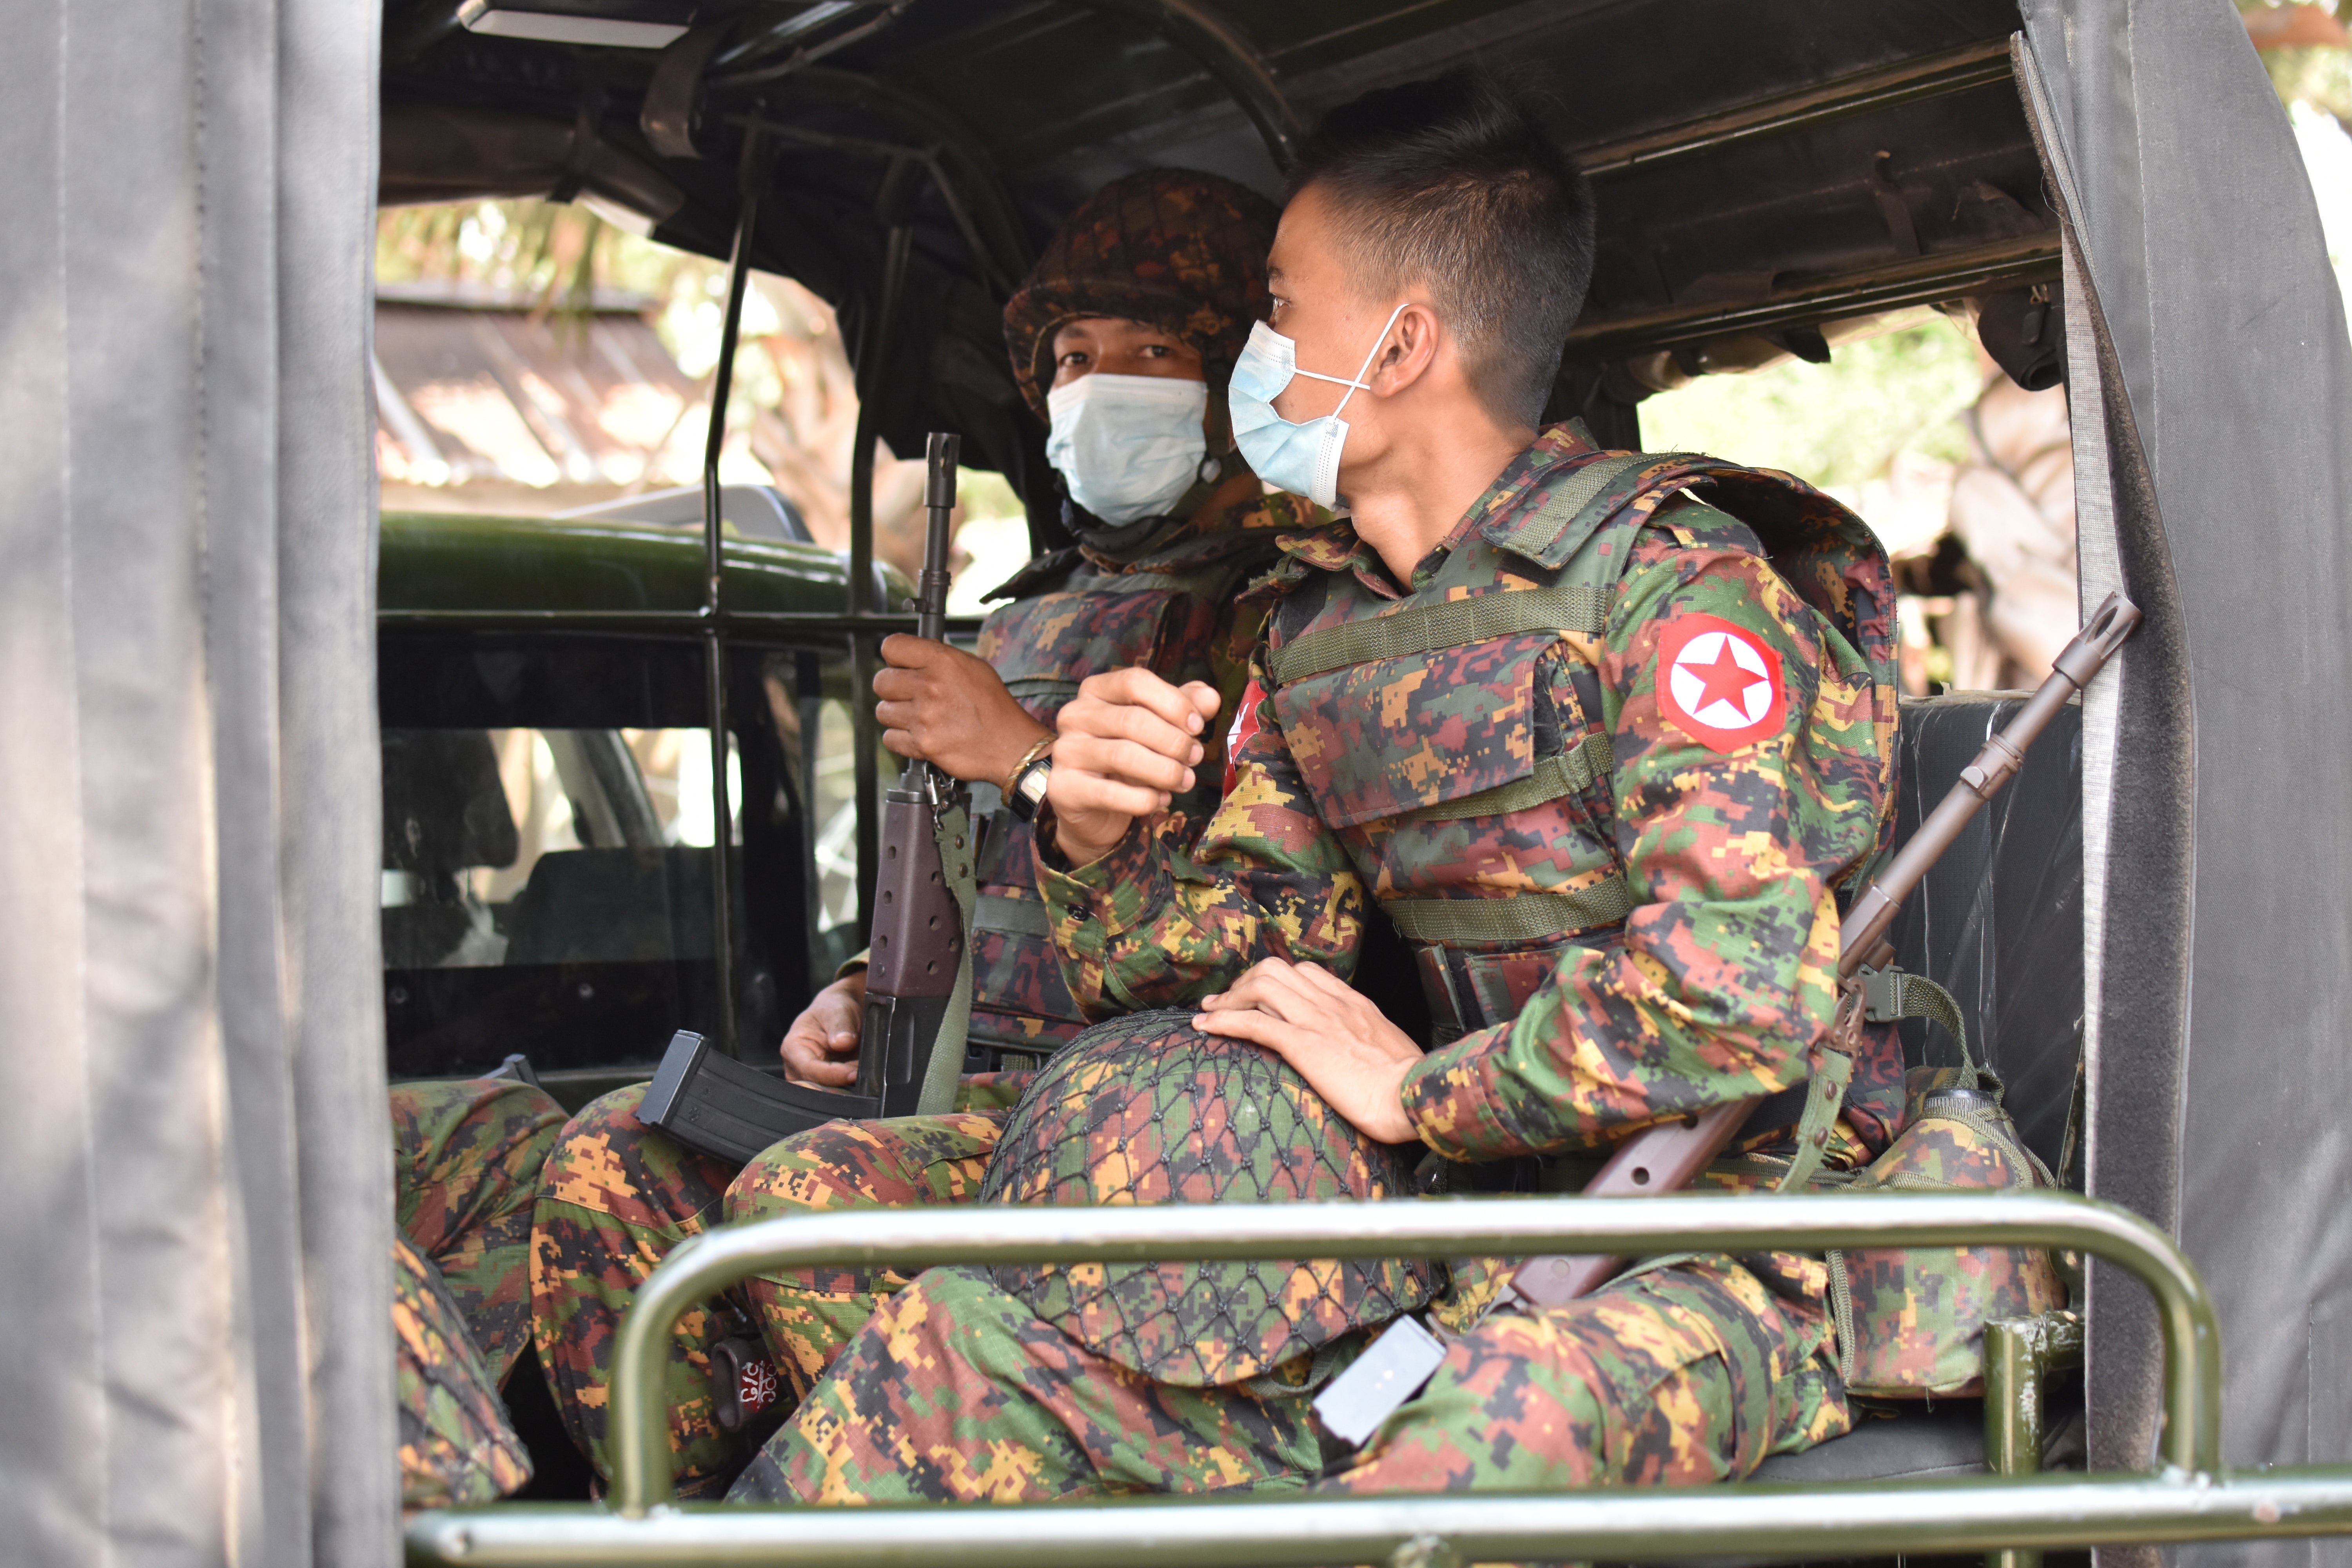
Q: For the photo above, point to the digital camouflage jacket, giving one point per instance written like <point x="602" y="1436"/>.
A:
<point x="1610" y="793"/>
<point x="1175" y="611"/>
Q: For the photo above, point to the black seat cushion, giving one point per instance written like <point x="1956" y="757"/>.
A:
<point x="1947" y="1440"/>
<point x="1999" y="921"/>
<point x="613" y="906"/>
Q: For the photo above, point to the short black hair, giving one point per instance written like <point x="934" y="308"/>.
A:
<point x="1452" y="183"/>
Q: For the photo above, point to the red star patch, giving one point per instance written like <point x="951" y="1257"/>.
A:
<point x="1719" y="683"/>
<point x="1244" y="726"/>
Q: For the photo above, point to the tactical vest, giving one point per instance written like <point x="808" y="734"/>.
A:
<point x="1165" y="615"/>
<point x="1423" y="721"/>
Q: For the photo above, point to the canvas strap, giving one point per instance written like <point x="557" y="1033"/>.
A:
<point x="1518" y="916"/>
<point x="952" y="830"/>
<point x="1426" y="628"/>
<point x="1575" y="769"/>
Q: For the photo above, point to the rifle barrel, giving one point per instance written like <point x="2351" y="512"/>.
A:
<point x="940" y="453"/>
<point x="1982" y="779"/>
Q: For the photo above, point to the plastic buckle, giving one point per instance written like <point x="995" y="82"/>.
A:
<point x="1882" y="993"/>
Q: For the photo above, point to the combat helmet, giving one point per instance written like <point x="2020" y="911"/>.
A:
<point x="1173" y="248"/>
<point x="1147" y="1110"/>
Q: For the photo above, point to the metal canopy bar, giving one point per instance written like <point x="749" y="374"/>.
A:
<point x="873" y="351"/>
<point x="928" y="158"/>
<point x="1230" y="61"/>
<point x="1918" y="280"/>
<point x="808" y="623"/>
<point x="1956" y="70"/>
<point x="913" y="1239"/>
<point x="753" y="171"/>
<point x="1636" y="1524"/>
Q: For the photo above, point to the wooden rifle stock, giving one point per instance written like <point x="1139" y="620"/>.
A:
<point x="1668" y="1157"/>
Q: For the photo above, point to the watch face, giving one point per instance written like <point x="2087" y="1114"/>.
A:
<point x="1033" y="782"/>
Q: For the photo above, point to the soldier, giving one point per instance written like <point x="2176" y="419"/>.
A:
<point x="1608" y="755"/>
<point x="466" y="1159"/>
<point x="1123" y="337"/>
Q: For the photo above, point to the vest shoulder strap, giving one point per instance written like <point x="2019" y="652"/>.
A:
<point x="1451" y="622"/>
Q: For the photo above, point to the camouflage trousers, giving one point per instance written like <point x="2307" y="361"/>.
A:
<point x="466" y="1165"/>
<point x="957" y="1391"/>
<point x="456" y="1445"/>
<point x="618" y="1196"/>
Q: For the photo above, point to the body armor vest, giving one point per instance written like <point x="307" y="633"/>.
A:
<point x="1072" y="621"/>
<point x="1469" y="767"/>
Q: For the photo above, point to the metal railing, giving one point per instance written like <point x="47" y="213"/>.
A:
<point x="2188" y="1498"/>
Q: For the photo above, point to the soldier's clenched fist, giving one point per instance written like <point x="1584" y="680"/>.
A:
<point x="1128" y="741"/>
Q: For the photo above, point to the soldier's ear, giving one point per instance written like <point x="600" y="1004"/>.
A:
<point x="1406" y="352"/>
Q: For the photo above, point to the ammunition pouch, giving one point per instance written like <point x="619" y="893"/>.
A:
<point x="1911" y="1320"/>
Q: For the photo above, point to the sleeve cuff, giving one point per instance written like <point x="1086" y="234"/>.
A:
<point x="854" y="965"/>
<point x="1450" y="1098"/>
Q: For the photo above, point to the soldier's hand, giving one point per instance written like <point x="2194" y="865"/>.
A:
<point x="821" y="1047"/>
<point x="1128" y="741"/>
<point x="1344" y="1046"/>
<point x="941" y="706"/>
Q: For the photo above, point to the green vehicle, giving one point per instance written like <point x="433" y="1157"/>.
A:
<point x="548" y="797"/>
<point x="2148" y="936"/>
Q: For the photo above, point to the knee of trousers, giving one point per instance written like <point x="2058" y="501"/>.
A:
<point x="867" y="1165"/>
<point x="441" y="1129"/>
<point x="607" y="1161"/>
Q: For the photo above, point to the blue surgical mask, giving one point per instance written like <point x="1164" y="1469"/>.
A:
<point x="1303" y="459"/>
<point x="1128" y="446"/>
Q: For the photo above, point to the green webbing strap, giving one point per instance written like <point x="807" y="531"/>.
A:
<point x="1021" y="917"/>
<point x="1403" y="634"/>
<point x="1833" y="1070"/>
<point x="1582" y="488"/>
<point x="1518" y="916"/>
<point x="1133" y="583"/>
<point x="952" y="830"/>
<point x="1590" y="759"/>
<point x="1890" y="994"/>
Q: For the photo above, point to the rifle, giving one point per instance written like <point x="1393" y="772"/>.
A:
<point x="732" y="1110"/>
<point x="1668" y="1157"/>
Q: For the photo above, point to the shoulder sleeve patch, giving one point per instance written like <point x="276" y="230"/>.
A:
<point x="1718" y="683"/>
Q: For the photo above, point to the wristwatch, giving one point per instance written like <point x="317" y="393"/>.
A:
<point x="1025" y="787"/>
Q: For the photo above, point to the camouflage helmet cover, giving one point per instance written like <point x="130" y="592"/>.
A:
<point x="1146" y="1109"/>
<point x="1182" y="251"/>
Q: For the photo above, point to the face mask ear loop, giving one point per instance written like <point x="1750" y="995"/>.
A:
<point x="1365" y="369"/>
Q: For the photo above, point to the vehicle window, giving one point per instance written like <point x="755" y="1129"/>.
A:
<point x="548" y="824"/>
<point x="484" y="828"/>
<point x="830" y="780"/>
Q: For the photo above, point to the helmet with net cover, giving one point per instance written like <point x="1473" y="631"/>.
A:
<point x="1147" y="1110"/>
<point x="1181" y="251"/>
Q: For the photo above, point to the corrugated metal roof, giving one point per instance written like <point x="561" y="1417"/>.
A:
<point x="497" y="390"/>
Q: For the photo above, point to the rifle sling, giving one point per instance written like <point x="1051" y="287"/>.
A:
<point x="945" y="1067"/>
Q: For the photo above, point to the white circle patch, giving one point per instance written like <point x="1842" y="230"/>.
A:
<point x="1721" y="680"/>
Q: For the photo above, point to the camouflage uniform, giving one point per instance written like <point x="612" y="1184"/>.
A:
<point x="1182" y="251"/>
<point x="456" y="1445"/>
<point x="1620" y="913"/>
<point x="466" y="1168"/>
